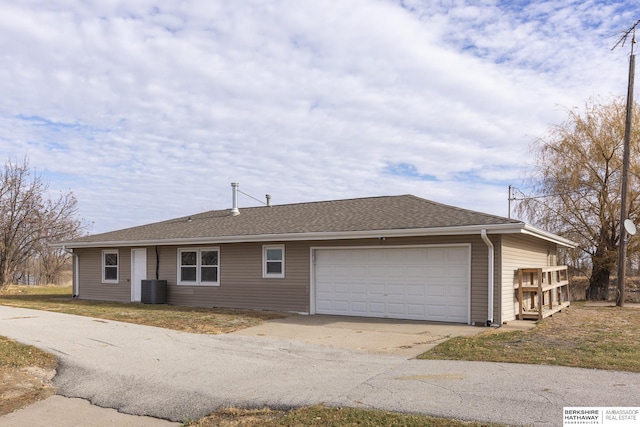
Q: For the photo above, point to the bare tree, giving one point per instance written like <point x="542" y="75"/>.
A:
<point x="576" y="185"/>
<point x="29" y="220"/>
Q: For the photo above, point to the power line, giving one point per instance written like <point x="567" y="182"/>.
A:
<point x="625" y="34"/>
<point x="525" y="197"/>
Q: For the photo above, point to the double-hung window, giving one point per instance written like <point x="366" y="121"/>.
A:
<point x="273" y="261"/>
<point x="110" y="266"/>
<point x="199" y="266"/>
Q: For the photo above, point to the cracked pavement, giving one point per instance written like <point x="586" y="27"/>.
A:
<point x="174" y="375"/>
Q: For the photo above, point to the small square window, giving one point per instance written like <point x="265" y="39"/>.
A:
<point x="110" y="266"/>
<point x="273" y="261"/>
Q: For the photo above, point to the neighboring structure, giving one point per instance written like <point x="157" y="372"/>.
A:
<point x="398" y="257"/>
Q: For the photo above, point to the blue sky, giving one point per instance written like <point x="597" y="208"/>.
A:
<point x="148" y="110"/>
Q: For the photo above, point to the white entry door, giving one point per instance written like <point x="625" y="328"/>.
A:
<point x="419" y="283"/>
<point x="138" y="273"/>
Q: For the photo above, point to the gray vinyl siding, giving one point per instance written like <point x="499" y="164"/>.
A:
<point x="241" y="281"/>
<point x="242" y="284"/>
<point x="90" y="276"/>
<point x="520" y="251"/>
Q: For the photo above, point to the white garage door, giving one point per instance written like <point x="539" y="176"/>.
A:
<point x="425" y="283"/>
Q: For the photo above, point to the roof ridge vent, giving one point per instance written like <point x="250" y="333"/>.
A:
<point x="234" y="199"/>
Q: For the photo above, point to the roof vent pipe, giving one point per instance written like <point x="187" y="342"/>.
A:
<point x="268" y="196"/>
<point x="234" y="199"/>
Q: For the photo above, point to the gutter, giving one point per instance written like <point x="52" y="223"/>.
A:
<point x="76" y="272"/>
<point x="490" y="270"/>
<point x="513" y="228"/>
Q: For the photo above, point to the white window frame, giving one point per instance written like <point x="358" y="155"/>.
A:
<point x="106" y="252"/>
<point x="198" y="281"/>
<point x="265" y="274"/>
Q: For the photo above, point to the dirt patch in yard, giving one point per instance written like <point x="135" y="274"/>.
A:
<point x="236" y="417"/>
<point x="323" y="416"/>
<point x="21" y="387"/>
<point x="25" y="375"/>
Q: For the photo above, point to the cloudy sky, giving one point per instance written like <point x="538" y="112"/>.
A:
<point x="148" y="110"/>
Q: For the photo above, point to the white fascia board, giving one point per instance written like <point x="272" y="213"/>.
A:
<point x="536" y="232"/>
<point x="513" y="228"/>
<point x="533" y="231"/>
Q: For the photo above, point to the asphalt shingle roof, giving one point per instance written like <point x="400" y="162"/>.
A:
<point x="352" y="215"/>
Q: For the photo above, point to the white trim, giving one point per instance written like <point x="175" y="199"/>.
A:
<point x="312" y="280"/>
<point x="313" y="249"/>
<point x="545" y="235"/>
<point x="198" y="266"/>
<point x="512" y="228"/>
<point x="265" y="274"/>
<point x="117" y="266"/>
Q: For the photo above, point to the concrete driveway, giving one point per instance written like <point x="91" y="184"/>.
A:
<point x="369" y="335"/>
<point x="174" y="375"/>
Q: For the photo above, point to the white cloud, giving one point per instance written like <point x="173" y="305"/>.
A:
<point x="148" y="110"/>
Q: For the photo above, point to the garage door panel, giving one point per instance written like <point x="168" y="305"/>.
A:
<point x="415" y="291"/>
<point x="376" y="271"/>
<point x="417" y="310"/>
<point x="437" y="311"/>
<point x="393" y="271"/>
<point x="343" y="271"/>
<point x="435" y="255"/>
<point x="435" y="272"/>
<point x="414" y="272"/>
<point x="359" y="307"/>
<point x="457" y="291"/>
<point x="457" y="311"/>
<point x="376" y="308"/>
<point x="413" y="256"/>
<point x="341" y="306"/>
<point x="427" y="283"/>
<point x="323" y="305"/>
<point x="436" y="291"/>
<point x="359" y="288"/>
<point x="457" y="255"/>
<point x="397" y="309"/>
<point x="376" y="289"/>
<point x="342" y="289"/>
<point x="397" y="289"/>
<point x="456" y="272"/>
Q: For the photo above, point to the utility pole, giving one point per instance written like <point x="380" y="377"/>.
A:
<point x="622" y="246"/>
<point x="509" y="199"/>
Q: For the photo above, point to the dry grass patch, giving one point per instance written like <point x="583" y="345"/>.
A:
<point x="25" y="374"/>
<point x="187" y="319"/>
<point x="322" y="416"/>
<point x="581" y="336"/>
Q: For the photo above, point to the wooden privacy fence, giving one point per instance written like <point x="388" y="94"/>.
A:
<point x="542" y="292"/>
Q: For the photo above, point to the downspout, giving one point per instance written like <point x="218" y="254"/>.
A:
<point x="76" y="272"/>
<point x="490" y="274"/>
